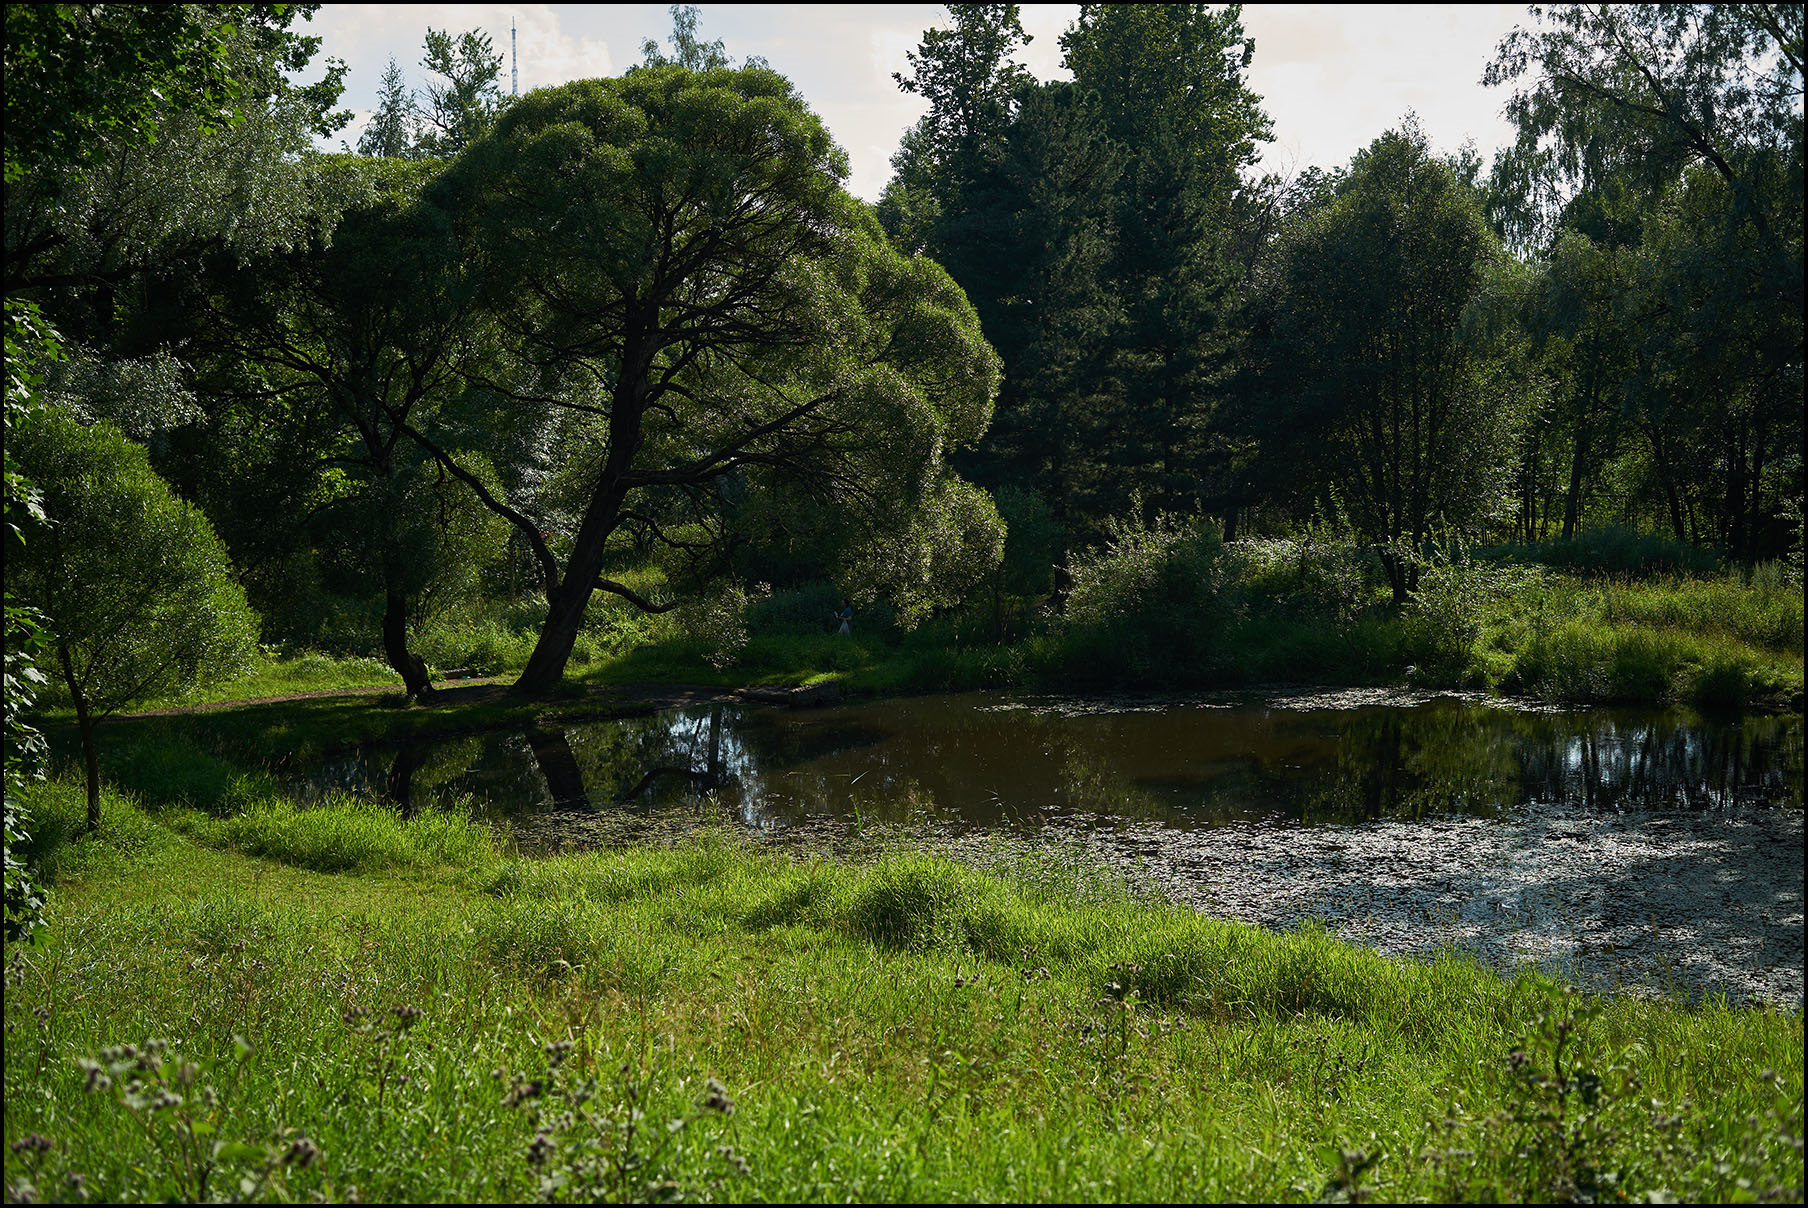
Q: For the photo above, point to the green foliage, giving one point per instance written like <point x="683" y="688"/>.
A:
<point x="1148" y="607"/>
<point x="1659" y="158"/>
<point x="80" y="78"/>
<point x="952" y="542"/>
<point x="29" y="344"/>
<point x="688" y="50"/>
<point x="811" y="380"/>
<point x="1614" y="551"/>
<point x="966" y="75"/>
<point x="1381" y="375"/>
<point x="459" y="111"/>
<point x="720" y="622"/>
<point x="132" y="582"/>
<point x="203" y="178"/>
<point x="390" y="132"/>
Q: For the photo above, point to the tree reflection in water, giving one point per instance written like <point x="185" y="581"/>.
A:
<point x="990" y="761"/>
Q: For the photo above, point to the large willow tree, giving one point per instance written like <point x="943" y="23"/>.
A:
<point x="672" y="256"/>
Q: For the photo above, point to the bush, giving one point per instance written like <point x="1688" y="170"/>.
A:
<point x="1149" y="607"/>
<point x="806" y="609"/>
<point x="1306" y="577"/>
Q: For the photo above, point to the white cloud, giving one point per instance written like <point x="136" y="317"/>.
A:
<point x="1332" y="77"/>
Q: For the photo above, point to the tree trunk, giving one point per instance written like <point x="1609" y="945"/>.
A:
<point x="409" y="665"/>
<point x="546" y="665"/>
<point x="91" y="758"/>
<point x="1397" y="576"/>
<point x="1572" y="506"/>
<point x="1682" y="534"/>
<point x="1734" y="504"/>
<point x="567" y="600"/>
<point x="84" y="720"/>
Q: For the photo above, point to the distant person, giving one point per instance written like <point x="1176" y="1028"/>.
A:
<point x="846" y="616"/>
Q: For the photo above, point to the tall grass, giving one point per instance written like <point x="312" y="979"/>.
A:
<point x="716" y="1022"/>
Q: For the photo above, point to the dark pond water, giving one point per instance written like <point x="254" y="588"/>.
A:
<point x="1415" y="826"/>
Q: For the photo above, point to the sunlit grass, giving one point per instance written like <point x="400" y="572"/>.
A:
<point x="904" y="1029"/>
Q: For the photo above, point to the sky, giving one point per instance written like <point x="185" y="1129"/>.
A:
<point x="1332" y="77"/>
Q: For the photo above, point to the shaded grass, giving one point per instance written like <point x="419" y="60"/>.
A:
<point x="912" y="1029"/>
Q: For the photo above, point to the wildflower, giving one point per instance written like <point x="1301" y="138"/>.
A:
<point x="405" y="1016"/>
<point x="301" y="1153"/>
<point x="715" y="1098"/>
<point x="97" y="1079"/>
<point x="522" y="1091"/>
<point x="31" y="1143"/>
<point x="540" y="1150"/>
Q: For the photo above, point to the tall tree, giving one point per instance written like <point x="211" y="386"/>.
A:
<point x="1643" y="90"/>
<point x="1375" y="374"/>
<point x="462" y="107"/>
<point x="732" y="326"/>
<point x="688" y="50"/>
<point x="364" y="325"/>
<point x="967" y="76"/>
<point x="81" y="78"/>
<point x="144" y="201"/>
<point x="1171" y="88"/>
<point x="1031" y="243"/>
<point x="391" y="130"/>
<point x="1686" y="121"/>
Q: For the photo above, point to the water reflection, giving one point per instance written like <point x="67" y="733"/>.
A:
<point x="989" y="761"/>
<point x="1614" y="846"/>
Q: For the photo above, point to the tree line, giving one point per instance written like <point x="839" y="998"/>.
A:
<point x="1602" y="328"/>
<point x="541" y="345"/>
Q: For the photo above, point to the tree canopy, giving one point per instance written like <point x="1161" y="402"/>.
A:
<point x="1375" y="376"/>
<point x="732" y="327"/>
<point x="134" y="585"/>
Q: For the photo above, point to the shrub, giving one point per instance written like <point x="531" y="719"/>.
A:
<point x="806" y="609"/>
<point x="1305" y="577"/>
<point x="1149" y="606"/>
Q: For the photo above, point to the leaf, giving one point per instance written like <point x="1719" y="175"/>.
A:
<point x="239" y="1151"/>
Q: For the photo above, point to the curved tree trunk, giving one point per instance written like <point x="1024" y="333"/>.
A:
<point x="409" y="665"/>
<point x="546" y="665"/>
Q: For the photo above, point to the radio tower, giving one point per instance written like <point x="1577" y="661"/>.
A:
<point x="514" y="63"/>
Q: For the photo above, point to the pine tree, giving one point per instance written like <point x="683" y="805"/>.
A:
<point x="391" y="129"/>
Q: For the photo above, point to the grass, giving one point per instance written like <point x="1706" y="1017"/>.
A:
<point x="438" y="1020"/>
<point x="275" y="675"/>
<point x="1720" y="641"/>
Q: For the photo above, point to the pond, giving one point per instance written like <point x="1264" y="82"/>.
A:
<point x="1637" y="849"/>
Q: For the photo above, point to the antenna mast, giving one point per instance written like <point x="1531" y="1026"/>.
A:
<point x="514" y="63"/>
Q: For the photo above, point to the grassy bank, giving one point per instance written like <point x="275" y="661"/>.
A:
<point x="1276" y="612"/>
<point x="347" y="1003"/>
<point x="1630" y="622"/>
